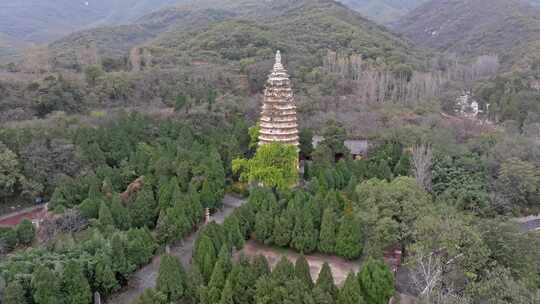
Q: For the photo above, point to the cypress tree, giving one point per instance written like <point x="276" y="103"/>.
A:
<point x="260" y="266"/>
<point x="227" y="295"/>
<point x="119" y="247"/>
<point x="45" y="287"/>
<point x="302" y="272"/>
<point x="205" y="256"/>
<point x="171" y="279"/>
<point x="304" y="234"/>
<point x="283" y="271"/>
<point x="14" y="293"/>
<point x="141" y="246"/>
<point x="120" y="214"/>
<point x="194" y="283"/>
<point x="282" y="230"/>
<point x="348" y="243"/>
<point x="403" y="167"/>
<point x="104" y="278"/>
<point x="384" y="171"/>
<point x="376" y="282"/>
<point x="232" y="228"/>
<point x="219" y="275"/>
<point x="264" y="223"/>
<point x="90" y="208"/>
<point x="144" y="210"/>
<point x="327" y="239"/>
<point x="106" y="222"/>
<point x="350" y="292"/>
<point x="75" y="285"/>
<point x="325" y="281"/>
<point x="321" y="296"/>
<point x="26" y="232"/>
<point x="351" y="188"/>
<point x="208" y="198"/>
<point x="151" y="296"/>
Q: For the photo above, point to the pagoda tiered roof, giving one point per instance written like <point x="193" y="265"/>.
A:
<point x="279" y="122"/>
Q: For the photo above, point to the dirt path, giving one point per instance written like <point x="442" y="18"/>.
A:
<point x="146" y="276"/>
<point x="340" y="267"/>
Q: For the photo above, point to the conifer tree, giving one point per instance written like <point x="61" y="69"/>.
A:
<point x="384" y="171"/>
<point x="232" y="228"/>
<point x="171" y="279"/>
<point x="348" y="242"/>
<point x="26" y="232"/>
<point x="106" y="222"/>
<point x="350" y="292"/>
<point x="282" y="230"/>
<point x="321" y="296"/>
<point x="283" y="271"/>
<point x="141" y="246"/>
<point x="403" y="167"/>
<point x="119" y="256"/>
<point x="205" y="256"/>
<point x="304" y="234"/>
<point x="75" y="286"/>
<point x="316" y="207"/>
<point x="144" y="210"/>
<point x="120" y="214"/>
<point x="90" y="208"/>
<point x="325" y="281"/>
<point x="327" y="238"/>
<point x="208" y="198"/>
<point x="104" y="276"/>
<point x="151" y="296"/>
<point x="219" y="275"/>
<point x="227" y="295"/>
<point x="351" y="188"/>
<point x="14" y="293"/>
<point x="45" y="288"/>
<point x="260" y="266"/>
<point x="376" y="282"/>
<point x="165" y="230"/>
<point x="195" y="281"/>
<point x="264" y="223"/>
<point x="302" y="272"/>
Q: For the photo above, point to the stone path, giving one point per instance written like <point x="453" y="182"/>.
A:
<point x="146" y="277"/>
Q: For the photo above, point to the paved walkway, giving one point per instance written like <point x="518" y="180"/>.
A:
<point x="146" y="277"/>
<point x="530" y="223"/>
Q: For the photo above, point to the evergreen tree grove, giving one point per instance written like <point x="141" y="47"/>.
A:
<point x="45" y="286"/>
<point x="376" y="282"/>
<point x="171" y="279"/>
<point x="327" y="239"/>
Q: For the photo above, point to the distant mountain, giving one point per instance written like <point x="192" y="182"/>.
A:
<point x="219" y="27"/>
<point x="509" y="28"/>
<point x="383" y="11"/>
<point x="38" y="21"/>
<point x="388" y="11"/>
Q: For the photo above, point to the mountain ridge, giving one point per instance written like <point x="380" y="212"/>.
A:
<point x="509" y="28"/>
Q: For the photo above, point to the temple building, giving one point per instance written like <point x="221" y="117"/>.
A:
<point x="279" y="122"/>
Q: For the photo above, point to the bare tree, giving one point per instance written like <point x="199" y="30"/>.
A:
<point x="427" y="275"/>
<point x="422" y="164"/>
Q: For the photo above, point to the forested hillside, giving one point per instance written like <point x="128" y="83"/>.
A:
<point x="383" y="11"/>
<point x="509" y="28"/>
<point x="136" y="140"/>
<point x="26" y="22"/>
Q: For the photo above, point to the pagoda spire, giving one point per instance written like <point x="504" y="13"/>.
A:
<point x="279" y="121"/>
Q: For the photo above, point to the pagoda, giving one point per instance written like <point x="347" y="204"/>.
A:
<point x="279" y="122"/>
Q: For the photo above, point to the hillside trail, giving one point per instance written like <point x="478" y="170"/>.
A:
<point x="146" y="277"/>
